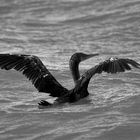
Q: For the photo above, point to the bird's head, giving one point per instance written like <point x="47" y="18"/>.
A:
<point x="79" y="57"/>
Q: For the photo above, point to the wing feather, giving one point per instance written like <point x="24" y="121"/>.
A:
<point x="32" y="67"/>
<point x="125" y="64"/>
<point x="112" y="65"/>
<point x="132" y="62"/>
<point x="121" y="67"/>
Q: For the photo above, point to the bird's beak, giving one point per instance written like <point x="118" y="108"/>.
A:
<point x="92" y="55"/>
<point x="87" y="56"/>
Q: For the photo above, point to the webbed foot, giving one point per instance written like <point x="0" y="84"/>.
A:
<point x="44" y="103"/>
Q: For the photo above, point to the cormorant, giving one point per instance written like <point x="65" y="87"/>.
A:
<point x="32" y="67"/>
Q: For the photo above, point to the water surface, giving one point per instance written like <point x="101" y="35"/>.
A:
<point x="54" y="30"/>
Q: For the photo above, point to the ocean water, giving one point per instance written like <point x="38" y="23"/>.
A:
<point x="54" y="30"/>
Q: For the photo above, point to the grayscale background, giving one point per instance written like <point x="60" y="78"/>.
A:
<point x="54" y="30"/>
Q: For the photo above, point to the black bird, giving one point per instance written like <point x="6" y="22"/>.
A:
<point x="32" y="67"/>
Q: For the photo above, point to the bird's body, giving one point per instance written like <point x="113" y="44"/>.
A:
<point x="32" y="67"/>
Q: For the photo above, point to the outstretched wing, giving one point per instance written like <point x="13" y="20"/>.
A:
<point x="32" y="67"/>
<point x="112" y="65"/>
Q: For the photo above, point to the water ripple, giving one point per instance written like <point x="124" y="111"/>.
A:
<point x="54" y="30"/>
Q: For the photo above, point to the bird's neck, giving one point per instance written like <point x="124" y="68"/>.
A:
<point x="74" y="67"/>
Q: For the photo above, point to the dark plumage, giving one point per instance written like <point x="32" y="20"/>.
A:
<point x="32" y="67"/>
